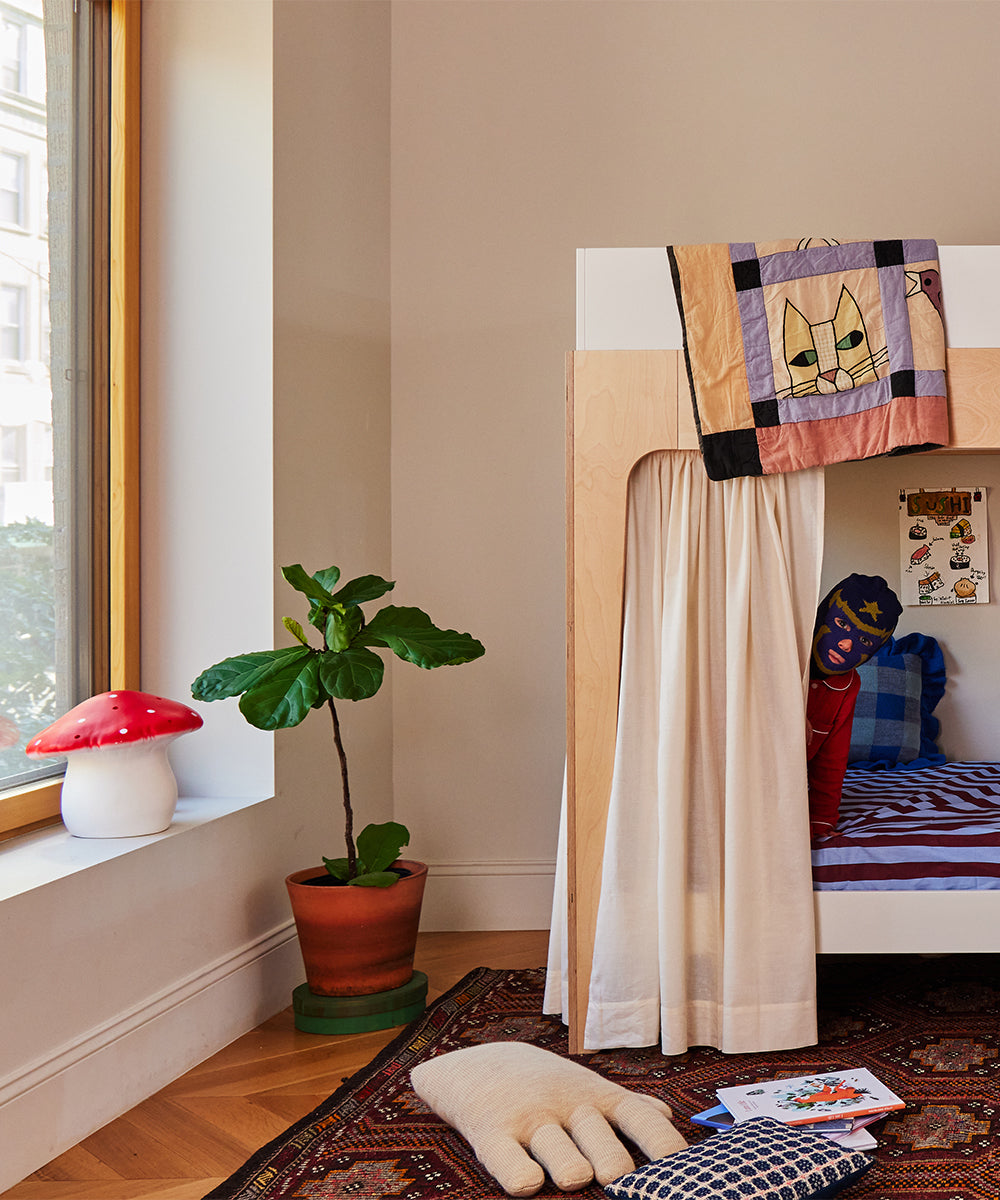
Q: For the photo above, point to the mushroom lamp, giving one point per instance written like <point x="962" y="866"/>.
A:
<point x="118" y="781"/>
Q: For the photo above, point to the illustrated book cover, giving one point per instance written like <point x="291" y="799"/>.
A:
<point x="810" y="1098"/>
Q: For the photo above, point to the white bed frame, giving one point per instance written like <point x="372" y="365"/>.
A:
<point x="627" y="395"/>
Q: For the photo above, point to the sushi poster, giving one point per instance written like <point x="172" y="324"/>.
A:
<point x="944" y="548"/>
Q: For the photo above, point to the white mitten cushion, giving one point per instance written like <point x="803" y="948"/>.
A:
<point x="505" y="1096"/>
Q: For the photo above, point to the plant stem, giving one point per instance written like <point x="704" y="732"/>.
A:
<point x="352" y="854"/>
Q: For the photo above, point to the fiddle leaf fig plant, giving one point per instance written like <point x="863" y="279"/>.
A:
<point x="278" y="688"/>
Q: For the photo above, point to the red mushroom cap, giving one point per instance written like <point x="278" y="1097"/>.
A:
<point x="114" y="719"/>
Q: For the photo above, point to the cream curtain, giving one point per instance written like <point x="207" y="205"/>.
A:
<point x="705" y="931"/>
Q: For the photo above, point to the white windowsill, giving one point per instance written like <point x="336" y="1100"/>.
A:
<point x="51" y="854"/>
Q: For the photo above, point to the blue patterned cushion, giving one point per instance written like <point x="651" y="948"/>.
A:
<point x="894" y="726"/>
<point x="887" y="713"/>
<point x="756" y="1158"/>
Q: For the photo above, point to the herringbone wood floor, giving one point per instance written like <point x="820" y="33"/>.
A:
<point x="186" y="1139"/>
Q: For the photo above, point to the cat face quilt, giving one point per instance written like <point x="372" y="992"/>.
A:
<point x="805" y="353"/>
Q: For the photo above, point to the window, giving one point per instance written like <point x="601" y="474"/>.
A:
<point x="12" y="331"/>
<point x="68" y="375"/>
<point x="11" y="454"/>
<point x="11" y="188"/>
<point x="12" y="42"/>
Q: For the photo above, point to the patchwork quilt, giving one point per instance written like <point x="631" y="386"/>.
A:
<point x="806" y="353"/>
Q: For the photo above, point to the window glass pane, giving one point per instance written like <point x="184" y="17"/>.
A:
<point x="11" y="188"/>
<point x="11" y="52"/>
<point x="45" y="408"/>
<point x="12" y="331"/>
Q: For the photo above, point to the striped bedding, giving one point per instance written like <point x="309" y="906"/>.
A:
<point x="933" y="829"/>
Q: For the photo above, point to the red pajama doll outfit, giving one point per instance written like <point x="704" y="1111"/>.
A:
<point x="829" y="713"/>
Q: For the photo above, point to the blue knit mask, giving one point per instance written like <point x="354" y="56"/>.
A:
<point x="852" y="622"/>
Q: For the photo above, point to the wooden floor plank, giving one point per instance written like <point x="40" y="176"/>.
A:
<point x="77" y="1163"/>
<point x="274" y="1073"/>
<point x="291" y="1107"/>
<point x="323" y="1085"/>
<point x="208" y="1146"/>
<point x="134" y="1154"/>
<point x="183" y="1142"/>
<point x="121" y="1189"/>
<point x="247" y="1122"/>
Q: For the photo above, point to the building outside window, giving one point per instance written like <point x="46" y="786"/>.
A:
<point x="47" y="412"/>
<point x="11" y="188"/>
<point x="13" y="335"/>
<point x="12" y="45"/>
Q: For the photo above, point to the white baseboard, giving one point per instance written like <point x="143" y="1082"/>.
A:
<point x="55" y="1102"/>
<point x="488" y="895"/>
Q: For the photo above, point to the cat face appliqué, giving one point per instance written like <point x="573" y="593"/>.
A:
<point x="829" y="356"/>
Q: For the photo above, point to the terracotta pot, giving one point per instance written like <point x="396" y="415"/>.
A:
<point x="357" y="940"/>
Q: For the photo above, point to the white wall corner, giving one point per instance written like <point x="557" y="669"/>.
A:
<point x="488" y="895"/>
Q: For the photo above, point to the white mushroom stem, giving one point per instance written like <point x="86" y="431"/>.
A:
<point x="119" y="791"/>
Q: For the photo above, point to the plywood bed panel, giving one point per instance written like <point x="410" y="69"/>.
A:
<point x="974" y="400"/>
<point x="622" y="405"/>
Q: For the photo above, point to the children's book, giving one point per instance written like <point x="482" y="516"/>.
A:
<point x="721" y="1118"/>
<point x="809" y="1098"/>
<point x="714" y="1118"/>
<point x="857" y="1139"/>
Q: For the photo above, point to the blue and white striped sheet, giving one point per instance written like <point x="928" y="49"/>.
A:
<point x="936" y="829"/>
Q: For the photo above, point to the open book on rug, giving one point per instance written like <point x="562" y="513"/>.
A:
<point x="828" y="1095"/>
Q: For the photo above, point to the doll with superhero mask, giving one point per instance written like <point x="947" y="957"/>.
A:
<point x="853" y="620"/>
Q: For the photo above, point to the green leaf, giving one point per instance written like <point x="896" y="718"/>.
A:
<point x="342" y="626"/>
<point x="233" y="676"/>
<point x="318" y="614"/>
<point x="283" y="698"/>
<point x="375" y="879"/>
<point x="366" y="587"/>
<point x="297" y="577"/>
<point x="295" y="629"/>
<point x="379" y="845"/>
<point x="327" y="578"/>
<point x="410" y="633"/>
<point x="337" y="867"/>
<point x="352" y="674"/>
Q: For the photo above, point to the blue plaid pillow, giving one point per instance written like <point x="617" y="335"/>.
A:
<point x="894" y="726"/>
<point x="887" y="713"/>
<point x="756" y="1158"/>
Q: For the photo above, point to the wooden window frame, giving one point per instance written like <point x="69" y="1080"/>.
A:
<point x="116" y="541"/>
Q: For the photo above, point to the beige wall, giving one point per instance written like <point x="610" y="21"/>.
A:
<point x="331" y="364"/>
<point x="521" y="131"/>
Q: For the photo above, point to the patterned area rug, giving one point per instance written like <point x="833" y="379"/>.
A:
<point x="927" y="1027"/>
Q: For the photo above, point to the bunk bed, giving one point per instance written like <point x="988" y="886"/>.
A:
<point x="627" y="396"/>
